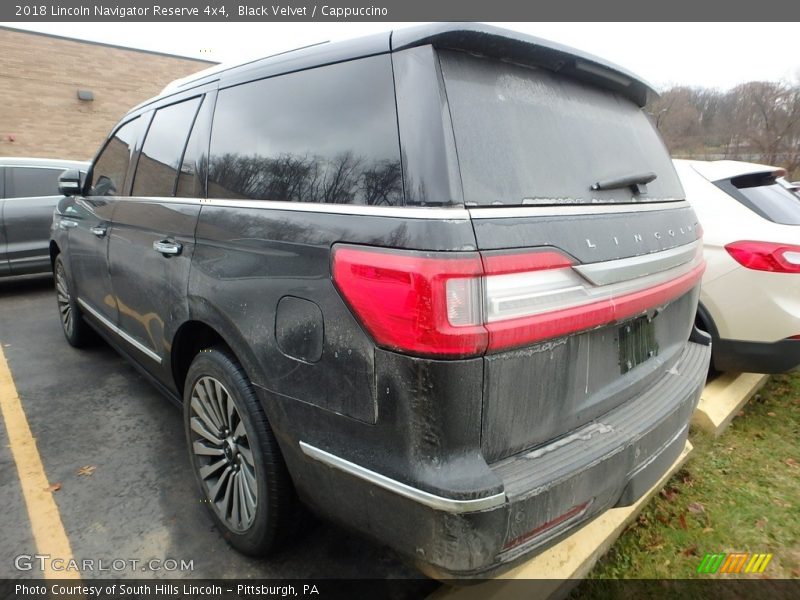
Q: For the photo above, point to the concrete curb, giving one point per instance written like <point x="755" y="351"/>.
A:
<point x="723" y="398"/>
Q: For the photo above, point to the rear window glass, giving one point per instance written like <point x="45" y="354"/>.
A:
<point x="27" y="182"/>
<point x="765" y="196"/>
<point x="323" y="135"/>
<point x="528" y="136"/>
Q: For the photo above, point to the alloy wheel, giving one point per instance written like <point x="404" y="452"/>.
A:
<point x="223" y="455"/>
<point x="63" y="299"/>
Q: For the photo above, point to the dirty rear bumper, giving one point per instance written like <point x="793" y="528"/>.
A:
<point x="546" y="493"/>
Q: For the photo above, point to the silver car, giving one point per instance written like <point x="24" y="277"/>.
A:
<point x="28" y="195"/>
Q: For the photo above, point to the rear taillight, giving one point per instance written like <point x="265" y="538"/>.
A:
<point x="766" y="256"/>
<point x="467" y="303"/>
<point x="417" y="303"/>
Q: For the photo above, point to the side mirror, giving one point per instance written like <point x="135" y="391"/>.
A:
<point x="69" y="183"/>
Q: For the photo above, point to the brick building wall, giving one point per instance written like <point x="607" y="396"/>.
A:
<point x="40" y="75"/>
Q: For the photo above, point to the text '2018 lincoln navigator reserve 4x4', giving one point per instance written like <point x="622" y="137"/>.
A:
<point x="438" y="284"/>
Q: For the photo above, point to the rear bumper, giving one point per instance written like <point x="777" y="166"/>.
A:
<point x="756" y="357"/>
<point x="546" y="493"/>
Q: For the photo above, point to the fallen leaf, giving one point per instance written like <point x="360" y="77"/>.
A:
<point x="682" y="520"/>
<point x="761" y="523"/>
<point x="708" y="530"/>
<point x="669" y="494"/>
<point x="53" y="487"/>
<point x="792" y="462"/>
<point x="87" y="470"/>
<point x="696" y="508"/>
<point x="690" y="551"/>
<point x="654" y="540"/>
<point x="770" y="414"/>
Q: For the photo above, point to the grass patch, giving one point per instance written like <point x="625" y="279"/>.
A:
<point x="738" y="493"/>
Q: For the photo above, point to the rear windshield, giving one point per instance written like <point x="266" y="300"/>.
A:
<point x="765" y="196"/>
<point x="528" y="136"/>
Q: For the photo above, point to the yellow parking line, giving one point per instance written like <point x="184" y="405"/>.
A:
<point x="48" y="530"/>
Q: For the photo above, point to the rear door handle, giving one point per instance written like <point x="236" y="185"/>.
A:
<point x="99" y="231"/>
<point x="167" y="248"/>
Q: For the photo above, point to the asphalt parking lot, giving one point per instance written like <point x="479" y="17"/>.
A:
<point x="89" y="408"/>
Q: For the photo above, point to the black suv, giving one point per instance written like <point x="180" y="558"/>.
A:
<point x="437" y="284"/>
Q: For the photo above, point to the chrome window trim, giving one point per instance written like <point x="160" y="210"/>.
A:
<point x="128" y="338"/>
<point x="422" y="497"/>
<point x="500" y="212"/>
<point x="47" y="168"/>
<point x="455" y="213"/>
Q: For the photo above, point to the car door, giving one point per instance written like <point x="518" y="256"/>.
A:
<point x="152" y="235"/>
<point x="31" y="194"/>
<point x="4" y="268"/>
<point x="89" y="219"/>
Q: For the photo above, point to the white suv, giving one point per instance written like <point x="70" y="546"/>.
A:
<point x="750" y="296"/>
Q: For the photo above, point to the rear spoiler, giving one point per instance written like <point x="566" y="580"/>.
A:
<point x="526" y="50"/>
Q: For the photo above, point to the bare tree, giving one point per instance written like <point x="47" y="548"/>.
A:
<point x="757" y="121"/>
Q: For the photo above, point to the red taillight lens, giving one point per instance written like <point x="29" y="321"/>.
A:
<point x="572" y="513"/>
<point x="766" y="256"/>
<point x="423" y="304"/>
<point x="461" y="304"/>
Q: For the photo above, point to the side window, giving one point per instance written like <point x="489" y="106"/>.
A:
<point x="191" y="176"/>
<point x="25" y="182"/>
<point x="108" y="171"/>
<point x="157" y="169"/>
<point x="327" y="134"/>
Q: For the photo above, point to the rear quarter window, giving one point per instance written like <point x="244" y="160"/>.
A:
<point x="327" y="134"/>
<point x="526" y="135"/>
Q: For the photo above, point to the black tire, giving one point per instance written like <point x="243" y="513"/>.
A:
<point x="77" y="331"/>
<point x="276" y="504"/>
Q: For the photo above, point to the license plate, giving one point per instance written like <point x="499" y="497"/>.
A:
<point x="637" y="343"/>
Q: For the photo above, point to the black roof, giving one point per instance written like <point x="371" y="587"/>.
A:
<point x="482" y="39"/>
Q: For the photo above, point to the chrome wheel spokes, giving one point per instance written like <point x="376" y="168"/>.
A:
<point x="62" y="297"/>
<point x="223" y="454"/>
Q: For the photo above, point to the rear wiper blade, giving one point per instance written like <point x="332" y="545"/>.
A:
<point x="636" y="181"/>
